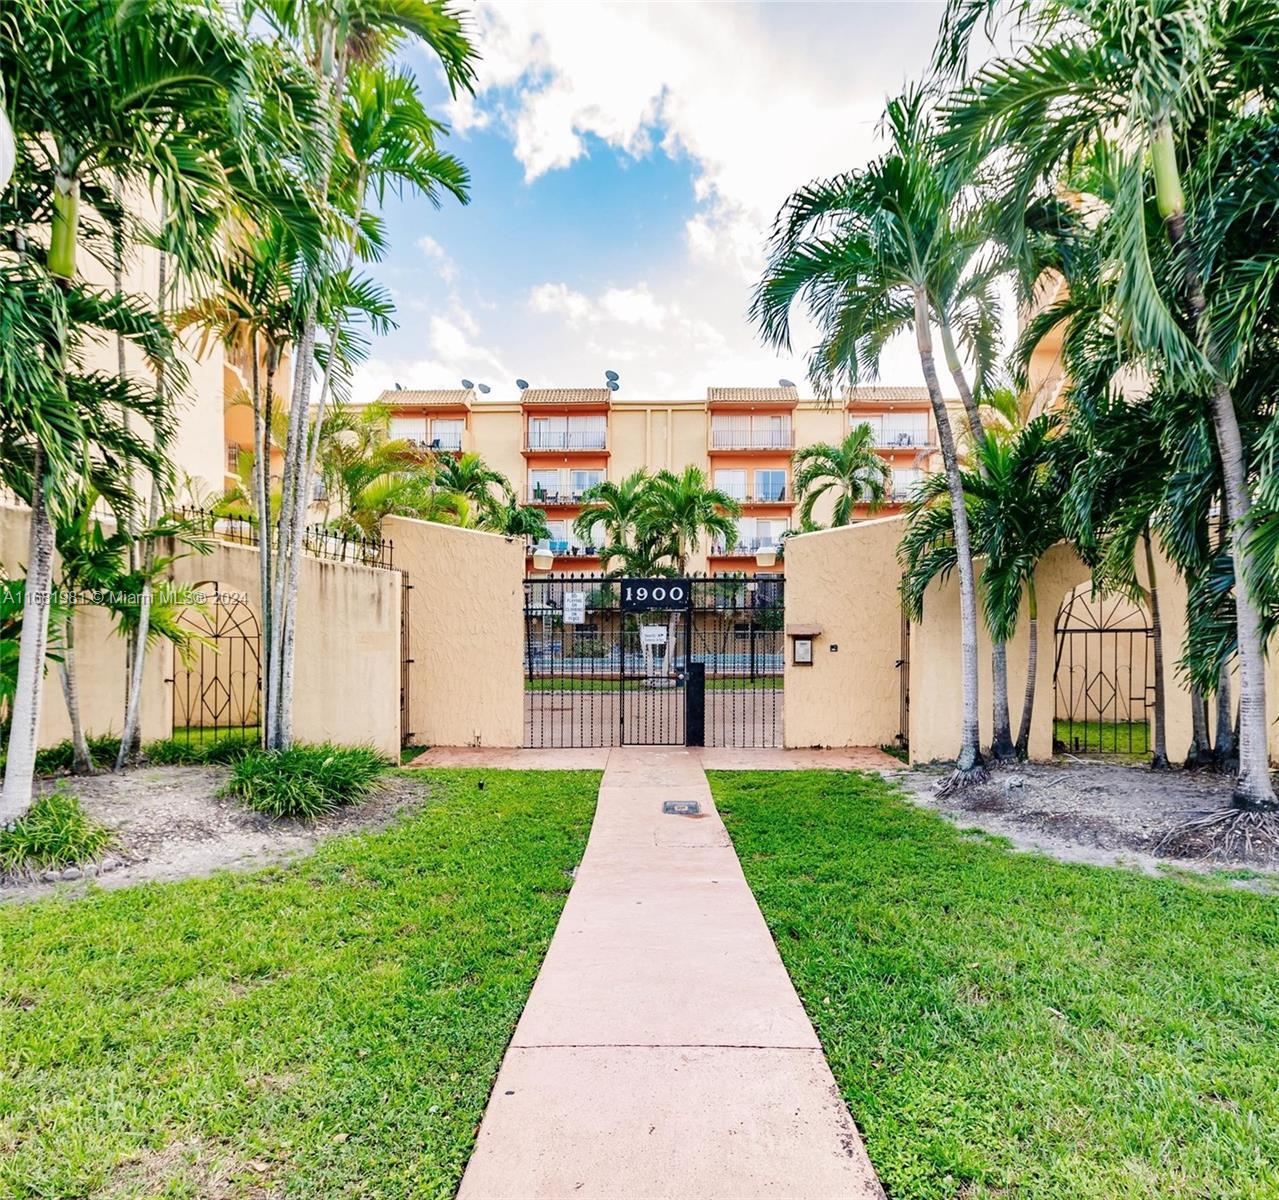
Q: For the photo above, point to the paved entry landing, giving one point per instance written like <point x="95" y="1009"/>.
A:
<point x="663" y="1051"/>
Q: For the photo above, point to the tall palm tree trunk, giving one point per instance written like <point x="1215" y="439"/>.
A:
<point x="1159" y="756"/>
<point x="1032" y="668"/>
<point x="24" y="723"/>
<point x="1001" y="740"/>
<point x="81" y="756"/>
<point x="1253" y="789"/>
<point x="1224" y="747"/>
<point x="969" y="767"/>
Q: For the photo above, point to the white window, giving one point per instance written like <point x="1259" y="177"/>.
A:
<point x="586" y="432"/>
<point x="904" y="481"/>
<point x="543" y="485"/>
<point x="410" y="429"/>
<point x="905" y="429"/>
<point x="579" y="481"/>
<point x="446" y="433"/>
<point x="731" y="431"/>
<point x="770" y="485"/>
<point x="732" y="482"/>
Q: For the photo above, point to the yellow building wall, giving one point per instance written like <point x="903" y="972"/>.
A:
<point x="466" y="633"/>
<point x="496" y="433"/>
<point x="844" y="581"/>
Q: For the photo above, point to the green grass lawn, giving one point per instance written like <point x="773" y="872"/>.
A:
<point x="1003" y="1025"/>
<point x="1103" y="737"/>
<point x="326" y="1029"/>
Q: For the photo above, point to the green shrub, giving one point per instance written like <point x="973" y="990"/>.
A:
<point x="181" y="752"/>
<point x="305" y="781"/>
<point x="52" y="759"/>
<point x="54" y="832"/>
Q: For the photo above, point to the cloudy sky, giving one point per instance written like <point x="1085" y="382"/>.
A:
<point x="626" y="161"/>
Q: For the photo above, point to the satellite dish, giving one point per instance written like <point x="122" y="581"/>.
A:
<point x="466" y="383"/>
<point x="613" y="385"/>
<point x="485" y="389"/>
<point x="611" y="376"/>
<point x="399" y="387"/>
<point x="521" y="384"/>
<point x="785" y="383"/>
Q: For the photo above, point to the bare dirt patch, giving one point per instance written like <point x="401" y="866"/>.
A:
<point x="170" y="823"/>
<point x="1091" y="811"/>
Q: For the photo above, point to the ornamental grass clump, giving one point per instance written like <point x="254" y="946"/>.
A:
<point x="305" y="781"/>
<point x="181" y="752"/>
<point x="54" y="832"/>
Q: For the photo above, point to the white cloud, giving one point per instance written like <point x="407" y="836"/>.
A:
<point x="756" y="99"/>
<point x="434" y="251"/>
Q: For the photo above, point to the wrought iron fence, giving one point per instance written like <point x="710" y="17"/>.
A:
<point x="317" y="540"/>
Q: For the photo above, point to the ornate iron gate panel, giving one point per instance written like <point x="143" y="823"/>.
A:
<point x="605" y="669"/>
<point x="1103" y="676"/>
<point x="217" y="687"/>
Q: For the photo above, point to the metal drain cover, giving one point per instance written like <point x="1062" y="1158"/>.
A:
<point x="682" y="808"/>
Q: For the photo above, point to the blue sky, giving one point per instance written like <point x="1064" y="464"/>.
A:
<point x="626" y="160"/>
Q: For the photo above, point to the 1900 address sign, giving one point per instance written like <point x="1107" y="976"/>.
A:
<point x="647" y="595"/>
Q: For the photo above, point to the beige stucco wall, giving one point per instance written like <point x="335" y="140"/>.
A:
<point x="100" y="668"/>
<point x="348" y="650"/>
<point x="935" y="684"/>
<point x="845" y="581"/>
<point x="347" y="671"/>
<point x="466" y="633"/>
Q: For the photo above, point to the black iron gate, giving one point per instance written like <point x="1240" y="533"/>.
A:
<point x="217" y="678"/>
<point x="664" y="662"/>
<point x="1103" y="676"/>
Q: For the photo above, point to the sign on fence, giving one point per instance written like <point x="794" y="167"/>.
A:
<point x="649" y="595"/>
<point x="574" y="608"/>
<point x="652" y="635"/>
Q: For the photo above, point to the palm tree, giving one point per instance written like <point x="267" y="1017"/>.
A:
<point x="93" y="89"/>
<point x="853" y="470"/>
<point x="611" y="509"/>
<point x="337" y="44"/>
<point x="873" y="253"/>
<point x="518" y="520"/>
<point x="680" y="510"/>
<point x="485" y="488"/>
<point x="1149" y="81"/>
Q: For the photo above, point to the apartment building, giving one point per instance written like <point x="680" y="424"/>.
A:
<point x="554" y="443"/>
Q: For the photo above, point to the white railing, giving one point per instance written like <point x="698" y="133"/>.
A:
<point x="542" y="440"/>
<point x="752" y="439"/>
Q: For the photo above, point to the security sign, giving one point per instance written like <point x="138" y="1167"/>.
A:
<point x="574" y="608"/>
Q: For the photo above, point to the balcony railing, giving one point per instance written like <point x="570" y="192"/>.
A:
<point x="554" y="495"/>
<point x="780" y="495"/>
<point x="565" y="548"/>
<point x="752" y="439"/>
<point x="743" y="547"/>
<point x="590" y="440"/>
<point x="905" y="440"/>
<point x="443" y="442"/>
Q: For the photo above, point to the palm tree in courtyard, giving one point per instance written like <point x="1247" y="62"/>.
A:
<point x="854" y="471"/>
<point x="468" y="475"/>
<point x="1147" y="79"/>
<point x="611" y="509"/>
<point x="873" y="253"/>
<point x="682" y="509"/>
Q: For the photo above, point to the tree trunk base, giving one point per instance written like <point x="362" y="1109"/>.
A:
<point x="1004" y="753"/>
<point x="1232" y="834"/>
<point x="1198" y="760"/>
<point x="1159" y="762"/>
<point x="962" y="777"/>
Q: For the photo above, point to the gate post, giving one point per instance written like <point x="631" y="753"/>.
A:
<point x="695" y="704"/>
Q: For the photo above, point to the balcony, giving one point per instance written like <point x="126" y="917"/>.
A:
<point x="589" y="440"/>
<point x="564" y="548"/>
<point x="905" y="440"/>
<point x="553" y="495"/>
<point x="752" y="439"/>
<point x="743" y="547"/>
<point x="782" y="495"/>
<point x="448" y="443"/>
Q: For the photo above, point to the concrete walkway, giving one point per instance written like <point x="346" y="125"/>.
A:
<point x="663" y="1051"/>
<point x="713" y="758"/>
